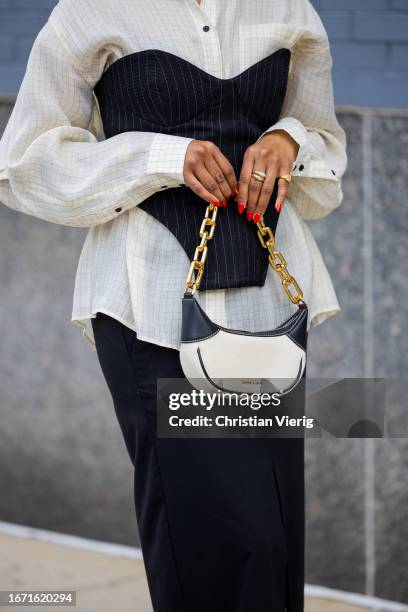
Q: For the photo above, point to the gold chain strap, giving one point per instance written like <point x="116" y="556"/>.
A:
<point x="200" y="254"/>
<point x="276" y="259"/>
<point x="278" y="263"/>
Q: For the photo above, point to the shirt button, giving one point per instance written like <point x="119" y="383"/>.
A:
<point x="206" y="28"/>
<point x="301" y="167"/>
<point x="118" y="209"/>
<point x="163" y="187"/>
<point x="333" y="172"/>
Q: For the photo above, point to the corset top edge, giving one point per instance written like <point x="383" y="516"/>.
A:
<point x="130" y="57"/>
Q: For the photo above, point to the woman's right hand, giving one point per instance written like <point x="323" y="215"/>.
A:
<point x="209" y="173"/>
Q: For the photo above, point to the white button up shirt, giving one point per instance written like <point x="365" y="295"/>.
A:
<point x="56" y="164"/>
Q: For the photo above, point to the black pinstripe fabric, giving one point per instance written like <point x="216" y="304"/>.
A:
<point x="157" y="91"/>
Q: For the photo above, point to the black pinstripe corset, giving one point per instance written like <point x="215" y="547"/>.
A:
<point x="157" y="91"/>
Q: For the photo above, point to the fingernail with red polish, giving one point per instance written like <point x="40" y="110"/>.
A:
<point x="217" y="203"/>
<point x="241" y="207"/>
<point x="249" y="215"/>
<point x="256" y="218"/>
<point x="278" y="206"/>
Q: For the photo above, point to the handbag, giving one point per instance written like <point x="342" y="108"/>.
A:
<point x="218" y="359"/>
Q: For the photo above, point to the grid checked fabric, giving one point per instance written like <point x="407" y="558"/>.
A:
<point x="57" y="164"/>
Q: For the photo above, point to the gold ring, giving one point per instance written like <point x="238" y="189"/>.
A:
<point x="286" y="177"/>
<point x="259" y="176"/>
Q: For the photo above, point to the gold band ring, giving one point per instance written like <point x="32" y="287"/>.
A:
<point x="286" y="177"/>
<point x="258" y="175"/>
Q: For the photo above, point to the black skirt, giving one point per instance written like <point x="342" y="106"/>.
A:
<point x="221" y="520"/>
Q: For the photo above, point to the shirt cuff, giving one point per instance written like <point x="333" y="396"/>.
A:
<point x="305" y="164"/>
<point x="166" y="159"/>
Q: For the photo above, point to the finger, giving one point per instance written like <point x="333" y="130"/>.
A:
<point x="245" y="178"/>
<point x="261" y="163"/>
<point x="217" y="179"/>
<point x="195" y="185"/>
<point x="266" y="192"/>
<point x="283" y="186"/>
<point x="227" y="170"/>
<point x="209" y="183"/>
<point x="254" y="191"/>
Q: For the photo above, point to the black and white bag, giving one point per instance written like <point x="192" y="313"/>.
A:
<point x="215" y="358"/>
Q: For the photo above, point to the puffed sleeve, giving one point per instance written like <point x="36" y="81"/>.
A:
<point x="55" y="163"/>
<point x="308" y="115"/>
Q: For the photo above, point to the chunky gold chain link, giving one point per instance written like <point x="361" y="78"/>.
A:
<point x="276" y="259"/>
<point x="200" y="254"/>
<point x="278" y="263"/>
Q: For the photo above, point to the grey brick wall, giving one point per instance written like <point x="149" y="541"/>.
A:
<point x="369" y="46"/>
<point x="20" y="21"/>
<point x="369" y="41"/>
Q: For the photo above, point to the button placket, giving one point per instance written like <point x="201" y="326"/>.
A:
<point x="208" y="10"/>
<point x="205" y="17"/>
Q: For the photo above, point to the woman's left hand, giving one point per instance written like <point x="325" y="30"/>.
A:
<point x="274" y="154"/>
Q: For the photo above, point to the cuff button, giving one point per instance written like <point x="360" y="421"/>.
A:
<point x="301" y="167"/>
<point x="118" y="209"/>
<point x="333" y="172"/>
<point x="163" y="187"/>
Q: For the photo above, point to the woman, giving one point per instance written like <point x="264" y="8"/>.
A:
<point x="131" y="118"/>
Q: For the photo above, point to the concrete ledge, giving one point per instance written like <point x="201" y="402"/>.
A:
<point x="108" y="577"/>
